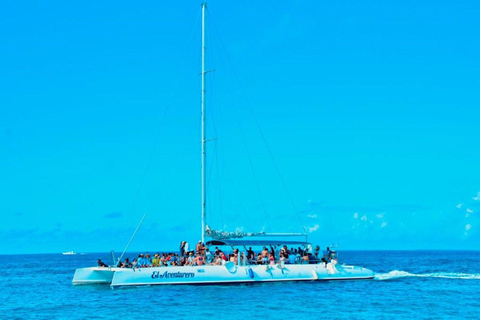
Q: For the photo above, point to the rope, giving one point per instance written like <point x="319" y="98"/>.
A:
<point x="260" y="130"/>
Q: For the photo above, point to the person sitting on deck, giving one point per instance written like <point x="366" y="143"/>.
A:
<point x="305" y="259"/>
<point x="198" y="261"/>
<point x="272" y="252"/>
<point x="134" y="263"/>
<point x="140" y="261"/>
<point x="259" y="258"/>
<point x="147" y="260"/>
<point x="217" y="261"/>
<point x="174" y="261"/>
<point x="265" y="252"/>
<point x="190" y="259"/>
<point x="271" y="259"/>
<point x="208" y="256"/>
<point x="242" y="259"/>
<point x="223" y="256"/>
<point x="125" y="264"/>
<point x="324" y="261"/>
<point x="101" y="264"/>
<point x="291" y="258"/>
<point x="163" y="260"/>
<point x="156" y="260"/>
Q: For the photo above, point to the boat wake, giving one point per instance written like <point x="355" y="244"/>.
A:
<point x="447" y="275"/>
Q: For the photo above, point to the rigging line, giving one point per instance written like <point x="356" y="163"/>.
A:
<point x="261" y="132"/>
<point x="130" y="241"/>
<point x="214" y="164"/>
<point x="157" y="139"/>
<point x="253" y="170"/>
<point x="219" y="191"/>
<point x="176" y="155"/>
<point x="242" y="211"/>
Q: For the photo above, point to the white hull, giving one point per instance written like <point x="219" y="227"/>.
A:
<point x="94" y="275"/>
<point x="219" y="274"/>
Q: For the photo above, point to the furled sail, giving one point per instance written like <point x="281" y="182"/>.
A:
<point x="224" y="235"/>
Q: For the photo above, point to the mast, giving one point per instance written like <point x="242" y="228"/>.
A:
<point x="204" y="129"/>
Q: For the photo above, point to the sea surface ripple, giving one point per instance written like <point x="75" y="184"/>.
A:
<point x="407" y="285"/>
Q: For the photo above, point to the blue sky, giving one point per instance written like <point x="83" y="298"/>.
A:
<point x="370" y="111"/>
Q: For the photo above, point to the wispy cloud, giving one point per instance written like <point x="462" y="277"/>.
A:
<point x="477" y="198"/>
<point x="313" y="216"/>
<point x="459" y="206"/>
<point x="313" y="229"/>
<point x="383" y="225"/>
<point x="113" y="215"/>
<point x="355" y="215"/>
<point x="469" y="210"/>
<point x="364" y="218"/>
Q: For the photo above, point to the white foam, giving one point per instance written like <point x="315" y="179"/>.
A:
<point x="448" y="275"/>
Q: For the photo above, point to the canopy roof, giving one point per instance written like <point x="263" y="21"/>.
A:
<point x="263" y="242"/>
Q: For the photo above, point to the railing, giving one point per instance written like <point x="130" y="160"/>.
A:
<point x="210" y="262"/>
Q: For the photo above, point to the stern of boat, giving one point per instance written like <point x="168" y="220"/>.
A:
<point x="353" y="272"/>
<point x="93" y="275"/>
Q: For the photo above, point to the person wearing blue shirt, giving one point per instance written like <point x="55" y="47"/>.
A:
<point x="140" y="261"/>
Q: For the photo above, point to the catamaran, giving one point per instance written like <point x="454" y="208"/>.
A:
<point x="241" y="271"/>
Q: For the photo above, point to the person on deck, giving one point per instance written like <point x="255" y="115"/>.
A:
<point x="250" y="254"/>
<point x="200" y="248"/>
<point x="291" y="258"/>
<point x="259" y="258"/>
<point x="317" y="251"/>
<point x="182" y="248"/>
<point x="271" y="259"/>
<point x="101" y="264"/>
<point x="126" y="264"/>
<point x="140" y="261"/>
<point x="147" y="260"/>
<point x="190" y="259"/>
<point x="198" y="261"/>
<point x="155" y="260"/>
<point x="305" y="258"/>
<point x="208" y="256"/>
<point x="223" y="256"/>
<point x="134" y="263"/>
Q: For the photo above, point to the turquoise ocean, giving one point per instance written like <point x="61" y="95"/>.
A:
<point x="408" y="285"/>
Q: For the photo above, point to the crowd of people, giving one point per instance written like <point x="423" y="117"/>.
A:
<point x="201" y="255"/>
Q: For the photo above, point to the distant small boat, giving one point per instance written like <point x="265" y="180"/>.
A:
<point x="69" y="253"/>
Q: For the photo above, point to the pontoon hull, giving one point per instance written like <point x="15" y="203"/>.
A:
<point x="94" y="275"/>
